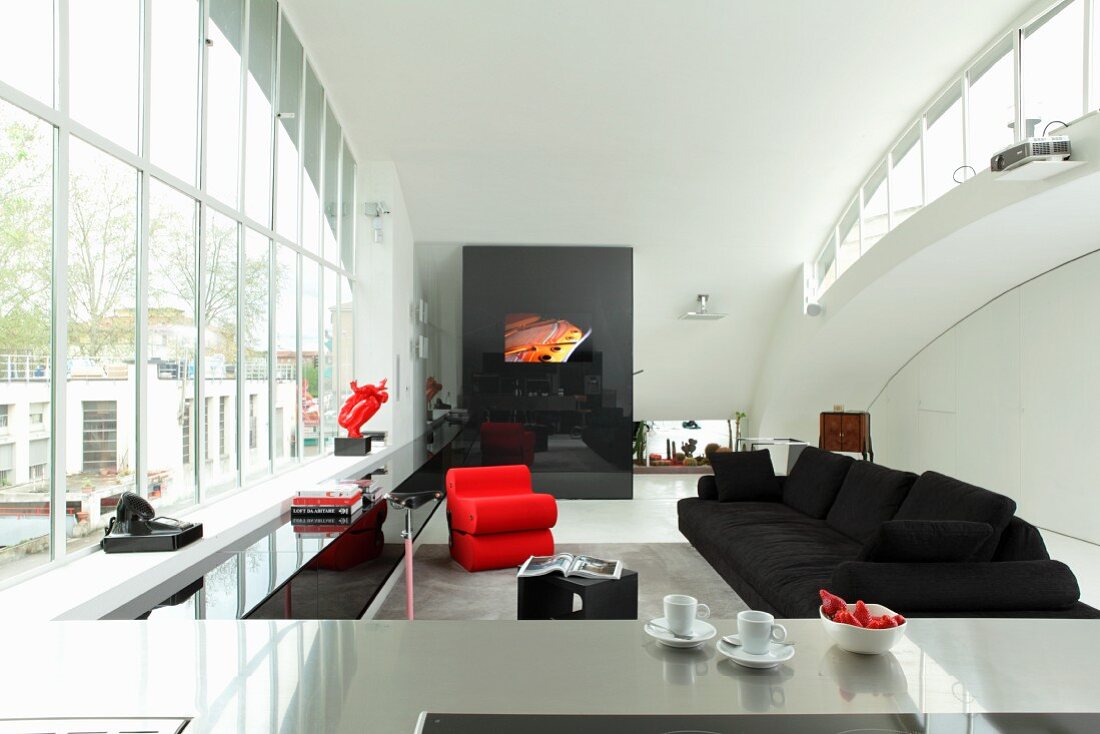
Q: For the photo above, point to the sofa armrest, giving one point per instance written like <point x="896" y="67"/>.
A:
<point x="707" y="488"/>
<point x="1009" y="586"/>
<point x="507" y="514"/>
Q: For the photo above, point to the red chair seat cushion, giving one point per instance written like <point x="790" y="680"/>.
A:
<point x="502" y="550"/>
<point x="504" y="514"/>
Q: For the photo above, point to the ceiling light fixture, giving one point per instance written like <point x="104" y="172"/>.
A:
<point x="702" y="314"/>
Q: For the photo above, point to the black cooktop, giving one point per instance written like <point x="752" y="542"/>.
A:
<point x="760" y="724"/>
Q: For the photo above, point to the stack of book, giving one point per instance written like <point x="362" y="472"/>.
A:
<point x="326" y="511"/>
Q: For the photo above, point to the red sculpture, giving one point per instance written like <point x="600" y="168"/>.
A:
<point x="432" y="388"/>
<point x="361" y="406"/>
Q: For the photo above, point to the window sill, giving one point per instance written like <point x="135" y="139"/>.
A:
<point x="98" y="585"/>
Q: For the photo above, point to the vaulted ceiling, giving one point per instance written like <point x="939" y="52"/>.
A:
<point x="719" y="138"/>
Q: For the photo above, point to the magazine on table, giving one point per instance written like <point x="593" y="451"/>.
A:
<point x="568" y="564"/>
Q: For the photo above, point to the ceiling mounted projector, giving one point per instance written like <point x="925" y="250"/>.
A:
<point x="702" y="314"/>
<point x="1053" y="148"/>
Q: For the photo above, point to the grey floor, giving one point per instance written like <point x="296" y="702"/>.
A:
<point x="641" y="532"/>
<point x="444" y="590"/>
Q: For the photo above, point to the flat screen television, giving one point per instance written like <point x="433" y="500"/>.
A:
<point x="547" y="338"/>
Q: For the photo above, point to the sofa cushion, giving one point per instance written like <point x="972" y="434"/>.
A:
<point x="1021" y="541"/>
<point x="938" y="497"/>
<point x="707" y="488"/>
<point x="745" y="476"/>
<point x="871" y="495"/>
<point x="814" y="481"/>
<point x="926" y="541"/>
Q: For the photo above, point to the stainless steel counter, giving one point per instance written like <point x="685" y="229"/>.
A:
<point x="377" y="676"/>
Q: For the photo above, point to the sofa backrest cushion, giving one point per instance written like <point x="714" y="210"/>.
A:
<point x="926" y="541"/>
<point x="1021" y="541"/>
<point x="870" y="495"/>
<point x="745" y="476"/>
<point x="814" y="481"/>
<point x="938" y="497"/>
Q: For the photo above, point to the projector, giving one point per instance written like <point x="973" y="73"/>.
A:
<point x="1054" y="148"/>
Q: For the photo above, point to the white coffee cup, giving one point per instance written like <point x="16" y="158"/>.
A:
<point x="758" y="630"/>
<point x="681" y="611"/>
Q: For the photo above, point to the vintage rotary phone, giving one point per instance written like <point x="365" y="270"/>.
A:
<point x="135" y="528"/>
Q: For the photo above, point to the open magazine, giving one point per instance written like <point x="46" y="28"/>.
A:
<point x="568" y="564"/>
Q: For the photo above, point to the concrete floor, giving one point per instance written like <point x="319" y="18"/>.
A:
<point x="651" y="518"/>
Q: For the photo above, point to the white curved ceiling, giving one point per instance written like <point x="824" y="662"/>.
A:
<point x="719" y="138"/>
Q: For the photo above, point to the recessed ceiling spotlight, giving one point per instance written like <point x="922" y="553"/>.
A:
<point x="702" y="314"/>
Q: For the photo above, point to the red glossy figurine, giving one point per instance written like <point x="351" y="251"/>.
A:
<point x="361" y="406"/>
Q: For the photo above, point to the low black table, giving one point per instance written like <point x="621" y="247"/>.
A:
<point x="551" y="597"/>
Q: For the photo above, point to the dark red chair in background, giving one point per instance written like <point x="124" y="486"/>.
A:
<point x="496" y="520"/>
<point x="506" y="443"/>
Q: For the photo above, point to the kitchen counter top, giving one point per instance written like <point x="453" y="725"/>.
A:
<point x="356" y="676"/>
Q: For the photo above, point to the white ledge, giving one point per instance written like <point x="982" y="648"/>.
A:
<point x="96" y="585"/>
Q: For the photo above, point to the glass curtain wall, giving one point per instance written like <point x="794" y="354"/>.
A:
<point x="975" y="117"/>
<point x="202" y="346"/>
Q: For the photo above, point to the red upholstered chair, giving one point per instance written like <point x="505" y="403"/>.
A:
<point x="506" y="443"/>
<point x="496" y="520"/>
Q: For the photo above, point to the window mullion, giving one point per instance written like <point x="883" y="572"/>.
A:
<point x="59" y="338"/>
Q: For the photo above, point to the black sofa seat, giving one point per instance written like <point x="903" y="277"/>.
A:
<point x="777" y="557"/>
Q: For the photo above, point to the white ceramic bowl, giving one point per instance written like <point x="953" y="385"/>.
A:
<point x="863" y="641"/>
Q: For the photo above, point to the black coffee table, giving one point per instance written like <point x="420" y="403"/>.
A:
<point x="551" y="597"/>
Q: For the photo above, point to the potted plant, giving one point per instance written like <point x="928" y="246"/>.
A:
<point x="640" y="434"/>
<point x="735" y="430"/>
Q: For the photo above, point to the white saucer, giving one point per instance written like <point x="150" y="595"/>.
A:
<point x="700" y="633"/>
<point x="776" y="655"/>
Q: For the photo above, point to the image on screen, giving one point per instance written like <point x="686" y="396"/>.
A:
<point x="544" y="338"/>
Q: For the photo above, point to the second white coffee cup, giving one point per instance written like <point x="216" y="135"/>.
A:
<point x="758" y="631"/>
<point x="681" y="611"/>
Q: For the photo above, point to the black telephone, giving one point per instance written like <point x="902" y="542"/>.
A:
<point x="135" y="528"/>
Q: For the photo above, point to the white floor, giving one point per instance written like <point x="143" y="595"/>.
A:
<point x="651" y="518"/>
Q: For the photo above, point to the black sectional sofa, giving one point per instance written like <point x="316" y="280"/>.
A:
<point x="823" y="526"/>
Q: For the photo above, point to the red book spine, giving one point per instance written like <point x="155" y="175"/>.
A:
<point x="327" y="501"/>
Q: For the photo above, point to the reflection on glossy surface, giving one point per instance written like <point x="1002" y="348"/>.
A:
<point x="877" y="675"/>
<point x="294" y="571"/>
<point x="353" y="676"/>
<point x="758" y="690"/>
<point x="681" y="666"/>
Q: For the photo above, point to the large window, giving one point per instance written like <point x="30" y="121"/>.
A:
<point x="943" y="144"/>
<point x="986" y="108"/>
<point x="1052" y="63"/>
<point x="848" y="249"/>
<point x="992" y="104"/>
<point x="181" y="361"/>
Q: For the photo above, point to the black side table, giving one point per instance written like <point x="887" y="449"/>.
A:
<point x="551" y="597"/>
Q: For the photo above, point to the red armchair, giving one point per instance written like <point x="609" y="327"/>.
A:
<point x="496" y="520"/>
<point x="506" y="443"/>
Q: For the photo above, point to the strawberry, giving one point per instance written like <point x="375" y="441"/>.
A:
<point x="831" y="603"/>
<point x="845" y="617"/>
<point x="887" y="621"/>
<point x="899" y="619"/>
<point x="862" y="613"/>
<point x="876" y="623"/>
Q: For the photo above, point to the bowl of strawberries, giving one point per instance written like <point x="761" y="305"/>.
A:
<point x="867" y="629"/>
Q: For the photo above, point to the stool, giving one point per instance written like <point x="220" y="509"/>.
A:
<point x="551" y="597"/>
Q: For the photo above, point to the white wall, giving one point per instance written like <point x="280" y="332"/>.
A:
<point x="1009" y="399"/>
<point x="438" y="280"/>
<point x="387" y="292"/>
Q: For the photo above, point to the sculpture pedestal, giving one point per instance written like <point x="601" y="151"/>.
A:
<point x="357" y="446"/>
<point x="352" y="446"/>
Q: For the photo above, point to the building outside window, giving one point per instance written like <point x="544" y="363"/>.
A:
<point x="7" y="464"/>
<point x="38" y="414"/>
<point x="223" y="410"/>
<point x="100" y="437"/>
<point x="38" y="458"/>
<point x="4" y="409"/>
<point x="253" y="421"/>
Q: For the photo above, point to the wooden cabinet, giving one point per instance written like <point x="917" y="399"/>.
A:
<point x="849" y="432"/>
